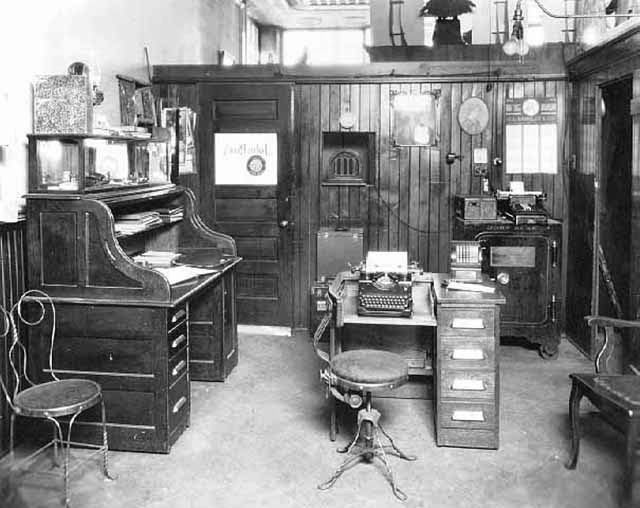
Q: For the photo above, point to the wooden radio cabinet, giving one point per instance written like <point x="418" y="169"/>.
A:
<point x="525" y="261"/>
<point x="123" y="322"/>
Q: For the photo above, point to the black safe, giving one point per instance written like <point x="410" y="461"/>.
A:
<point x="525" y="261"/>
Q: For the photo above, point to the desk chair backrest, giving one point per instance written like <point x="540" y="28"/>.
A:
<point x="333" y="311"/>
<point x="16" y="351"/>
<point x="608" y="359"/>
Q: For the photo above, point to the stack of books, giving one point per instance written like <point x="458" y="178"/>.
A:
<point x="131" y="223"/>
<point x="169" y="215"/>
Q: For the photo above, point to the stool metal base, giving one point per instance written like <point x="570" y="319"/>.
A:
<point x="369" y="429"/>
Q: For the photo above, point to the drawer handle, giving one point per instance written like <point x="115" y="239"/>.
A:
<point x="476" y="385"/>
<point x="467" y="416"/>
<point x="467" y="354"/>
<point x="178" y="405"/>
<point x="474" y="323"/>
<point x="178" y="315"/>
<point x="178" y="340"/>
<point x="176" y="370"/>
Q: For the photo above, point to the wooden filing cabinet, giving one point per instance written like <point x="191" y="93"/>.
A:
<point x="467" y="375"/>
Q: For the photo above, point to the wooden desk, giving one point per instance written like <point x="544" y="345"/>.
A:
<point x="466" y="360"/>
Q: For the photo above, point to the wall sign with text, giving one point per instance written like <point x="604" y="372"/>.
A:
<point x="531" y="135"/>
<point x="246" y="158"/>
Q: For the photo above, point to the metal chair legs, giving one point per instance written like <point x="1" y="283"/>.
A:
<point x="368" y="433"/>
<point x="65" y="444"/>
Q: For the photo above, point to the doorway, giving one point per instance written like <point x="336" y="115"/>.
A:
<point x="615" y="195"/>
<point x="246" y="180"/>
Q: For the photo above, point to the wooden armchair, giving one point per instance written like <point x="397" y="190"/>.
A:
<point x="616" y="396"/>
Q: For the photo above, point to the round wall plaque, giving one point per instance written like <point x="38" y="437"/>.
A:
<point x="473" y="115"/>
<point x="531" y="107"/>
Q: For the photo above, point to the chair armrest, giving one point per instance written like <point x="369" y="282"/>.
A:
<point x="608" y="321"/>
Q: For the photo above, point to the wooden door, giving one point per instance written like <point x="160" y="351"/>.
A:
<point x="245" y="188"/>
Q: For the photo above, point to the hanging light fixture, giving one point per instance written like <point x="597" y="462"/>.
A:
<point x="516" y="44"/>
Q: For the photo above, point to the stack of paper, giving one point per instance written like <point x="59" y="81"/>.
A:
<point x="156" y="258"/>
<point x="470" y="286"/>
<point x="177" y="274"/>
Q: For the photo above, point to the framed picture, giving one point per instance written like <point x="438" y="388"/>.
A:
<point x="415" y="119"/>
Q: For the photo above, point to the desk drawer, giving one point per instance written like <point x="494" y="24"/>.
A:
<point x="176" y="316"/>
<point x="177" y="338"/>
<point x="467" y="352"/>
<point x="178" y="366"/>
<point x="467" y="415"/>
<point x="470" y="384"/>
<point x="466" y="322"/>
<point x="179" y="404"/>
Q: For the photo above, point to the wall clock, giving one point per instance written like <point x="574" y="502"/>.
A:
<point x="473" y="115"/>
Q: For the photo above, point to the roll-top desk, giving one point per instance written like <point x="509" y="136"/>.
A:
<point x="139" y="333"/>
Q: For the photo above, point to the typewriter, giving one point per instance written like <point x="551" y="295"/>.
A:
<point x="384" y="288"/>
<point x="522" y="207"/>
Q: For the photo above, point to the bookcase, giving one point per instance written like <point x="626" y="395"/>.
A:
<point x="144" y="290"/>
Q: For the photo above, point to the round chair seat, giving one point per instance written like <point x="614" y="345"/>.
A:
<point x="370" y="369"/>
<point x="57" y="398"/>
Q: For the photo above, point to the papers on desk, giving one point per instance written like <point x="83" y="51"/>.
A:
<point x="177" y="274"/>
<point x="470" y="286"/>
<point x="156" y="258"/>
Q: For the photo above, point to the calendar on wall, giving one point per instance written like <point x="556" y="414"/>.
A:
<point x="531" y="135"/>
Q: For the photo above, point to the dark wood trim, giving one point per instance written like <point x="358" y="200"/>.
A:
<point x="546" y="64"/>
<point x="620" y="52"/>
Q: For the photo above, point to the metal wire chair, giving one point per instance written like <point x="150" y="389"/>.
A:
<point x="51" y="400"/>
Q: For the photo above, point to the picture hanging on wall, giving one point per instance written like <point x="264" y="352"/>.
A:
<point x="415" y="119"/>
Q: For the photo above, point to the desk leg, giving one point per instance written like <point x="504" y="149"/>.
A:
<point x="630" y="466"/>
<point x="574" y="416"/>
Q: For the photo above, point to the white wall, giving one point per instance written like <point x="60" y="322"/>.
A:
<point x="45" y="36"/>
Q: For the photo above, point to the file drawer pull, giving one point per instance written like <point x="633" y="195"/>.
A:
<point x="178" y="316"/>
<point x="176" y="370"/>
<point x="468" y="384"/>
<point x="474" y="323"/>
<point x="467" y="416"/>
<point x="178" y="405"/>
<point x="467" y="354"/>
<point x="178" y="340"/>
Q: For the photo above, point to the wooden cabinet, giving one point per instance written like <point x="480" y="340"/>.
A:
<point x="467" y="375"/>
<point x="123" y="323"/>
<point x="525" y="260"/>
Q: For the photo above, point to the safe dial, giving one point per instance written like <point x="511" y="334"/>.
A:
<point x="503" y="278"/>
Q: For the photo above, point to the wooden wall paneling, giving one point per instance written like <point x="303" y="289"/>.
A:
<point x="325" y="191"/>
<point x="454" y="139"/>
<point x="387" y="157"/>
<point x="431" y="176"/>
<point x="344" y="192"/>
<point x="395" y="201"/>
<point x="12" y="285"/>
<point x="355" y="212"/>
<point x="335" y="203"/>
<point x="499" y="148"/>
<point x="315" y="171"/>
<point x="376" y="119"/>
<point x="442" y="182"/>
<point x="466" y="176"/>
<point x="363" y="120"/>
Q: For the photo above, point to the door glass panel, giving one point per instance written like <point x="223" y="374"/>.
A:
<point x="246" y="158"/>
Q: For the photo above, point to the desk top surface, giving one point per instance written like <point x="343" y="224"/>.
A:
<point x="426" y="290"/>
